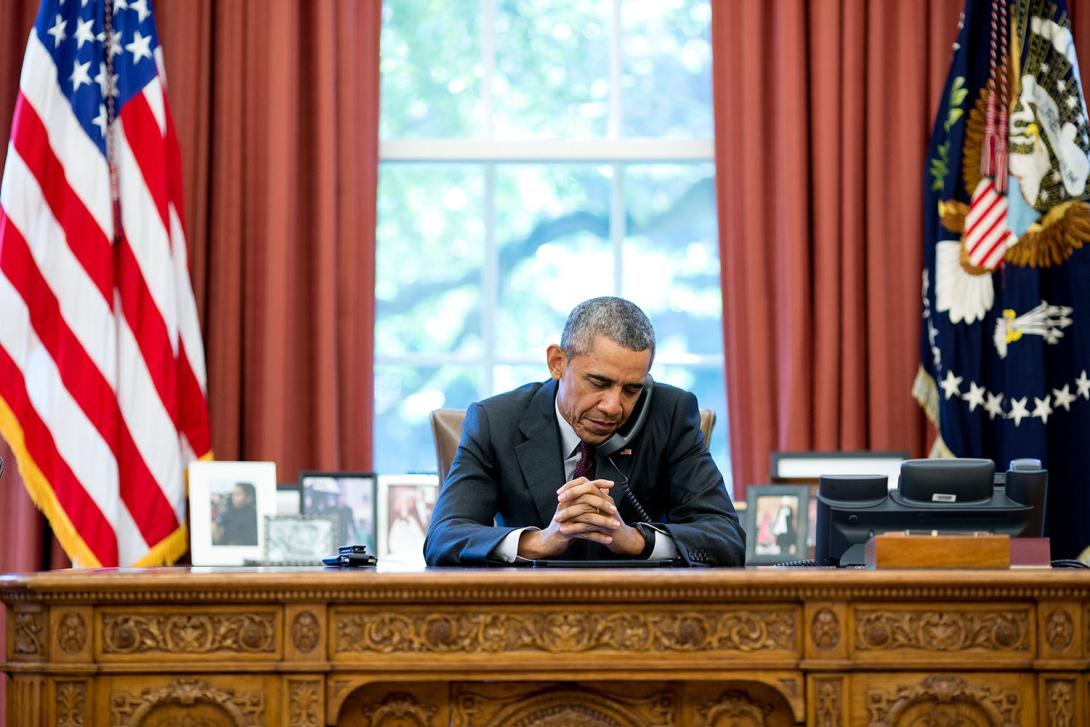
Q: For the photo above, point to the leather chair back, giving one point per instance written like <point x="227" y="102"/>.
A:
<point x="446" y="428"/>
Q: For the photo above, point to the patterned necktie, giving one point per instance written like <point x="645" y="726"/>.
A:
<point x="585" y="466"/>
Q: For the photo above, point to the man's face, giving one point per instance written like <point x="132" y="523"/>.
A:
<point x="597" y="390"/>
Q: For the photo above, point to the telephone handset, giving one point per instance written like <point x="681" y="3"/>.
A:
<point x="623" y="436"/>
<point x="620" y="438"/>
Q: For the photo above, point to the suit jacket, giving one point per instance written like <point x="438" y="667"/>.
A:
<point x="509" y="466"/>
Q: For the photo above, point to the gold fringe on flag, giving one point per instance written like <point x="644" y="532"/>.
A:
<point x="42" y="494"/>
<point x="926" y="394"/>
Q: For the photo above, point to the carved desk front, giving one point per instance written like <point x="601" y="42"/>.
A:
<point x="196" y="647"/>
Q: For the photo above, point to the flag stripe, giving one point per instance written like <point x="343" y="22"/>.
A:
<point x="92" y="324"/>
<point x="174" y="162"/>
<point x="995" y="255"/>
<point x="189" y="328"/>
<point x="151" y="334"/>
<point x="146" y="144"/>
<point x="140" y="310"/>
<point x="31" y="140"/>
<point x="90" y="391"/>
<point x="193" y="411"/>
<point x="995" y="229"/>
<point x="88" y="520"/>
<point x="150" y="243"/>
<point x="85" y="167"/>
<point x="983" y="206"/>
<point x="155" y="435"/>
<point x="82" y="506"/>
<point x="986" y="223"/>
<point x="86" y="311"/>
<point x="987" y="246"/>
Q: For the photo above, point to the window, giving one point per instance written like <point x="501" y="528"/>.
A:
<point x="535" y="154"/>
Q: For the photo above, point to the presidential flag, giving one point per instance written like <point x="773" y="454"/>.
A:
<point x="102" y="382"/>
<point x="1005" y="341"/>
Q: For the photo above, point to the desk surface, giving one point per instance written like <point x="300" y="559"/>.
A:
<point x="287" y="646"/>
<point x="501" y="584"/>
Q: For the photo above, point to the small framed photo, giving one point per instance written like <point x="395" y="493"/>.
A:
<point x="228" y="501"/>
<point x="405" y="504"/>
<point x="776" y="523"/>
<point x="348" y="498"/>
<point x="299" y="539"/>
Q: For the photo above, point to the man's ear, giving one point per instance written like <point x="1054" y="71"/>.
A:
<point x="557" y="361"/>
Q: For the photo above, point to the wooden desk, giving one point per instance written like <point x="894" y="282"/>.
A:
<point x="520" y="647"/>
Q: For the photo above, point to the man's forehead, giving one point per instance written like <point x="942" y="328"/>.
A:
<point x="615" y="363"/>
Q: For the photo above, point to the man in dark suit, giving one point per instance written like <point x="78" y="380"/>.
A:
<point x="531" y="478"/>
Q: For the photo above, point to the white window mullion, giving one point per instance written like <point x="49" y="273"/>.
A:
<point x="488" y="63"/>
<point x="490" y="273"/>
<point x="613" y="127"/>
<point x="490" y="284"/>
<point x="617" y="227"/>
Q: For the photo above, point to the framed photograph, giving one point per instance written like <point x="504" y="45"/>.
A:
<point x="405" y="504"/>
<point x="228" y="501"/>
<point x="299" y="539"/>
<point x="348" y="498"/>
<point x="798" y="467"/>
<point x="776" y="523"/>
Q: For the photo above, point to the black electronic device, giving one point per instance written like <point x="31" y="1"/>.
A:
<point x="1" y="466"/>
<point x="932" y="495"/>
<point x="351" y="556"/>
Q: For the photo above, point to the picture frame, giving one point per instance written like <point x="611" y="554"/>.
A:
<point x="777" y="523"/>
<point x="299" y="539"/>
<point x="228" y="502"/>
<point x="349" y="498"/>
<point x="807" y="467"/>
<point x="405" y="505"/>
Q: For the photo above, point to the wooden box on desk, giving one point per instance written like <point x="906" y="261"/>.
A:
<point x="912" y="550"/>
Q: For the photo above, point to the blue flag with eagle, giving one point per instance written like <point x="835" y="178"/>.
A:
<point x="1005" y="340"/>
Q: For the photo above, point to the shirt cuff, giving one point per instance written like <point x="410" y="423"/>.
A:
<point x="665" y="547"/>
<point x="508" y="549"/>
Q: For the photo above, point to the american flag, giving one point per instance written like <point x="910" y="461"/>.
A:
<point x="102" y="381"/>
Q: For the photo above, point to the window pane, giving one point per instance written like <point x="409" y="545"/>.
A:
<point x="666" y="82"/>
<point x="431" y="70"/>
<point x="552" y="69"/>
<point x="511" y="377"/>
<point x="552" y="223"/>
<point x="706" y="382"/>
<point x="404" y="396"/>
<point x="671" y="254"/>
<point x="430" y="252"/>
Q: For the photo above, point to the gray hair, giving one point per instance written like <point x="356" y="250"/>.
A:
<point x="617" y="319"/>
